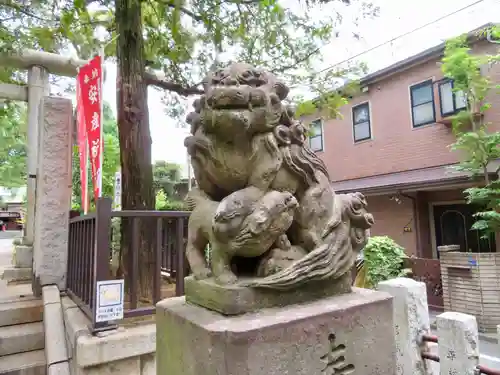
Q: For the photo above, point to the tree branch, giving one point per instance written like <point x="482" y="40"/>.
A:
<point x="21" y="9"/>
<point x="154" y="80"/>
<point x="187" y="12"/>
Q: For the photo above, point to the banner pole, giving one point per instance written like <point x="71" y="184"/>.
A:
<point x="101" y="127"/>
<point x="84" y="167"/>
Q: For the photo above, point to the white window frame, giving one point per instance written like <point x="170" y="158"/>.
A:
<point x="322" y="134"/>
<point x="426" y="82"/>
<point x="455" y="109"/>
<point x="353" y="109"/>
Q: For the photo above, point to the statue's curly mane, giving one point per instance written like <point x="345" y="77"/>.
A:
<point x="298" y="157"/>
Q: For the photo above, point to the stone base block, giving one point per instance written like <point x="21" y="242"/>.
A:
<point x="17" y="274"/>
<point x="23" y="256"/>
<point x="235" y="300"/>
<point x="347" y="334"/>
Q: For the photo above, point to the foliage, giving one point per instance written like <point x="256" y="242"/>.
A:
<point x="182" y="39"/>
<point x="111" y="162"/>
<point x="115" y="235"/>
<point x="13" y="148"/>
<point x="163" y="203"/>
<point x="165" y="176"/>
<point x="478" y="146"/>
<point x="186" y="39"/>
<point x="329" y="100"/>
<point x="383" y="260"/>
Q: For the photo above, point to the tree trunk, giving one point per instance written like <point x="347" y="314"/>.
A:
<point x="135" y="139"/>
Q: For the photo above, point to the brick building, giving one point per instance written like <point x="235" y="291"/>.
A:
<point x="392" y="145"/>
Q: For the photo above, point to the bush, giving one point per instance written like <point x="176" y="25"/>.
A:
<point x="383" y="260"/>
<point x="164" y="204"/>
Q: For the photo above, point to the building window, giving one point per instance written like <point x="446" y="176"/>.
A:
<point x="316" y="135"/>
<point x="422" y="104"/>
<point x="451" y="102"/>
<point x="361" y="122"/>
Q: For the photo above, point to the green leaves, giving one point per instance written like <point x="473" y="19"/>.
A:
<point x="13" y="150"/>
<point x="477" y="145"/>
<point x="165" y="178"/>
<point x="383" y="259"/>
<point x="163" y="203"/>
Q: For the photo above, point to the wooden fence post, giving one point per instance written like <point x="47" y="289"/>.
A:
<point x="458" y="343"/>
<point x="411" y="322"/>
<point x="102" y="252"/>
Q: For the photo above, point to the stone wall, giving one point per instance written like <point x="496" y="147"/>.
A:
<point x="127" y="350"/>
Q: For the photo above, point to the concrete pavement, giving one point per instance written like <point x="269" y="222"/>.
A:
<point x="6" y="251"/>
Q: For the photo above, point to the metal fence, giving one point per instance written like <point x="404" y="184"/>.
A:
<point x="90" y="254"/>
<point x="428" y="271"/>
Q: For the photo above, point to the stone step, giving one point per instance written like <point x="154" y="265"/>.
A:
<point x="19" y="311"/>
<point x="15" y="274"/>
<point x="29" y="363"/>
<point x="21" y="338"/>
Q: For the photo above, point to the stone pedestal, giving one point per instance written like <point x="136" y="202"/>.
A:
<point x="235" y="300"/>
<point x="345" y="334"/>
<point x="22" y="262"/>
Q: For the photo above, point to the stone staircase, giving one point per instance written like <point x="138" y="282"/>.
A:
<point x="22" y="338"/>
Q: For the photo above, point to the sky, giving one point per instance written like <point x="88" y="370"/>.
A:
<point x="396" y="17"/>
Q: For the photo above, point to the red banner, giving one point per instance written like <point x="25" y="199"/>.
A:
<point x="82" y="148"/>
<point x="90" y="81"/>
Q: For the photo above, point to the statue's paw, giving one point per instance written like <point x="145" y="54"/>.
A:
<point x="202" y="273"/>
<point x="227" y="278"/>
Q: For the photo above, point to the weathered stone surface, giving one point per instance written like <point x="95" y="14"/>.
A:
<point x="234" y="299"/>
<point x="19" y="312"/>
<point x="458" y="343"/>
<point x="132" y="346"/>
<point x="23" y="256"/>
<point x="55" y="335"/>
<point x="16" y="274"/>
<point x="20" y="338"/>
<point x="51" y="294"/>
<point x="263" y="195"/>
<point x="448" y="248"/>
<point x="61" y="368"/>
<point x="28" y="363"/>
<point x="148" y="364"/>
<point x="53" y="195"/>
<point x="124" y="343"/>
<point x="351" y="332"/>
<point x="411" y="321"/>
<point x="130" y="366"/>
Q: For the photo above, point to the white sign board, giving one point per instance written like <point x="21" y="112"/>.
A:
<point x="110" y="295"/>
<point x="118" y="191"/>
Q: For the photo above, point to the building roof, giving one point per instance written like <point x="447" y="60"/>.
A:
<point x="419" y="58"/>
<point x="432" y="177"/>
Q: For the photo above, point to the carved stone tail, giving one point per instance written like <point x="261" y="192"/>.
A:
<point x="328" y="261"/>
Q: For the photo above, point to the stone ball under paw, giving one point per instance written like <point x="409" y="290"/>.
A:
<point x="279" y="259"/>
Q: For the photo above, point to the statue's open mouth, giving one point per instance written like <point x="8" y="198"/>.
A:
<point x="236" y="98"/>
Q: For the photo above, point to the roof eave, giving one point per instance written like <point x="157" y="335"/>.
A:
<point x="419" y="58"/>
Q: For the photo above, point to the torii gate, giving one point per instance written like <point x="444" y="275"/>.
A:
<point x="39" y="64"/>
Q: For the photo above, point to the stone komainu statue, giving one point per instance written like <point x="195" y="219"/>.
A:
<point x="262" y="194"/>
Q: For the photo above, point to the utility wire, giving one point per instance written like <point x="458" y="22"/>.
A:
<point x="401" y="36"/>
